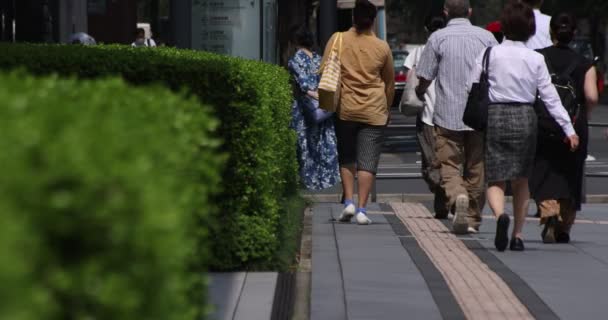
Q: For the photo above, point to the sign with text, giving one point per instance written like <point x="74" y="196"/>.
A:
<point x="230" y="27"/>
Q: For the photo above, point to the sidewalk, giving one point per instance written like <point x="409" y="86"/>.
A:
<point x="408" y="265"/>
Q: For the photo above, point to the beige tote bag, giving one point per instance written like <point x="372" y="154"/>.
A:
<point x="329" y="86"/>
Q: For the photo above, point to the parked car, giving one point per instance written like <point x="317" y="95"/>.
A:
<point x="400" y="74"/>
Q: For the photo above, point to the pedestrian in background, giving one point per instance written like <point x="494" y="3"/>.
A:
<point x="515" y="74"/>
<point x="317" y="151"/>
<point x="557" y="180"/>
<point x="83" y="39"/>
<point x="425" y="130"/>
<point x="367" y="91"/>
<point x="449" y="58"/>
<point x="542" y="36"/>
<point x="141" y="40"/>
<point x="496" y="30"/>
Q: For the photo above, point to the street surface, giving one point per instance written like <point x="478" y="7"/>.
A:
<point x="408" y="265"/>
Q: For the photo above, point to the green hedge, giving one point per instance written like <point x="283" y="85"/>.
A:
<point x="253" y="102"/>
<point x="104" y="199"/>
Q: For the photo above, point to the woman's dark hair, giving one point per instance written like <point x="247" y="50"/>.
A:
<point x="563" y="27"/>
<point x="364" y="14"/>
<point x="434" y="23"/>
<point x="304" y="38"/>
<point x="517" y="21"/>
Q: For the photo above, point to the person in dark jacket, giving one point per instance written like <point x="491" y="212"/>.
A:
<point x="557" y="180"/>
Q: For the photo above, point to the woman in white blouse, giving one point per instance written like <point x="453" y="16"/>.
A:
<point x="516" y="73"/>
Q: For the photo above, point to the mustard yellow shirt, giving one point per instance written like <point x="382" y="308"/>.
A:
<point x="368" y="77"/>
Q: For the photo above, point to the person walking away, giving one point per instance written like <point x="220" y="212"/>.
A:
<point x="516" y="73"/>
<point x="367" y="91"/>
<point x="496" y="30"/>
<point x="82" y="39"/>
<point x="557" y="180"/>
<point x="317" y="151"/>
<point x="141" y="40"/>
<point x="425" y="130"/>
<point x="542" y="36"/>
<point x="448" y="58"/>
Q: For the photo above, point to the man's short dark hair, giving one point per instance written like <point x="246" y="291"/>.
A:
<point x="457" y="8"/>
<point x="434" y="23"/>
<point x="364" y="14"/>
<point x="533" y="3"/>
<point x="139" y="31"/>
<point x="518" y="22"/>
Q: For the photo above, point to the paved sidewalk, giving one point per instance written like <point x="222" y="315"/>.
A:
<point x="408" y="265"/>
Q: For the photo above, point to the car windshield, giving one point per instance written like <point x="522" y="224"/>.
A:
<point x="399" y="59"/>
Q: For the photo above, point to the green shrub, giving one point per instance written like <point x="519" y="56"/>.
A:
<point x="104" y="197"/>
<point x="252" y="101"/>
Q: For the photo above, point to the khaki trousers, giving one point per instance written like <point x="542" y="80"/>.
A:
<point x="460" y="154"/>
<point x="431" y="166"/>
<point x="563" y="209"/>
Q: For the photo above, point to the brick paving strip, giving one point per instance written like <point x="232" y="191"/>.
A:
<point x="479" y="291"/>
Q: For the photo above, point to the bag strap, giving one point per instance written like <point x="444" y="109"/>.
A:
<point x="337" y="40"/>
<point x="567" y="72"/>
<point x="485" y="62"/>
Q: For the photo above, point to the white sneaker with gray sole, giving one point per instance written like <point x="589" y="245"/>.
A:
<point x="460" y="224"/>
<point x="347" y="213"/>
<point x="362" y="219"/>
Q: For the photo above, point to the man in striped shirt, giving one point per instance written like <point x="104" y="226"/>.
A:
<point x="449" y="58"/>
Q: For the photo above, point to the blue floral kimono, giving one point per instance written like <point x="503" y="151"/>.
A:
<point x="317" y="150"/>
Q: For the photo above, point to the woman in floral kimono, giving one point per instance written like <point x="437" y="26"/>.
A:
<point x="317" y="151"/>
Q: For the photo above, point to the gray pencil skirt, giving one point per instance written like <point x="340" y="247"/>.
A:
<point x="510" y="142"/>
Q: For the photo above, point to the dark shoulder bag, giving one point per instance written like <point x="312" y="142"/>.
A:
<point x="548" y="128"/>
<point x="476" y="112"/>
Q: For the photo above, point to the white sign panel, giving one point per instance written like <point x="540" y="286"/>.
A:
<point x="230" y="27"/>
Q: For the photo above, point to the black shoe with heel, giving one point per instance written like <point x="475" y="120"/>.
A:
<point x="562" y="237"/>
<point x="502" y="229"/>
<point x="549" y="231"/>
<point x="517" y="244"/>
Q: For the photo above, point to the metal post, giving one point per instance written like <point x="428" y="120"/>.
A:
<point x="328" y="17"/>
<point x="584" y="188"/>
<point x="181" y="23"/>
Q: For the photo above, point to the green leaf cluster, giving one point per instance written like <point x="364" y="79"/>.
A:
<point x="105" y="194"/>
<point x="251" y="99"/>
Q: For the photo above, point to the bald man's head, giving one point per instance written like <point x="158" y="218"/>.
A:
<point x="457" y="8"/>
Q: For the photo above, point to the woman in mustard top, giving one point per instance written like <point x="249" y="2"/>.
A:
<point x="367" y="90"/>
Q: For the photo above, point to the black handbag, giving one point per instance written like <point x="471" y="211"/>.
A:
<point x="476" y="112"/>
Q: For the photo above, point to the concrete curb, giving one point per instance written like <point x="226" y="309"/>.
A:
<point x="301" y="308"/>
<point x="405" y="197"/>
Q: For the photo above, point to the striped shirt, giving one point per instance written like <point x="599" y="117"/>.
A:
<point x="449" y="58"/>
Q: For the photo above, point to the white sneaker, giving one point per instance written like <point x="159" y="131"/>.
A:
<point x="362" y="219"/>
<point x="347" y="213"/>
<point x="460" y="224"/>
<point x="472" y="230"/>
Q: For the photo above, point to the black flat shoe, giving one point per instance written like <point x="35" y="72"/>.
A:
<point x="502" y="230"/>
<point x="517" y="244"/>
<point x="562" y="237"/>
<point x="549" y="231"/>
